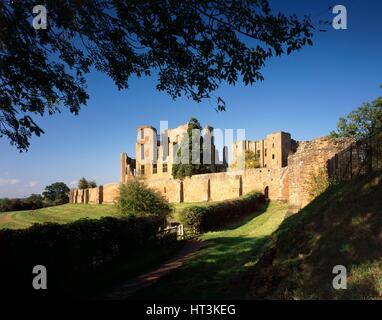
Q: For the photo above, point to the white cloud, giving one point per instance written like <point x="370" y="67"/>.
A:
<point x="7" y="182"/>
<point x="32" y="183"/>
<point x="73" y="183"/>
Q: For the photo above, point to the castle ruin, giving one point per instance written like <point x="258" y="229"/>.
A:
<point x="155" y="153"/>
<point x="285" y="167"/>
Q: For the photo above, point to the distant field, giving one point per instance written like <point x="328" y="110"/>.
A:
<point x="60" y="214"/>
<point x="64" y="214"/>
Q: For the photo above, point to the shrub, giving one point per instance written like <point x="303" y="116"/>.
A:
<point x="73" y="252"/>
<point x="217" y="215"/>
<point x="318" y="182"/>
<point x="137" y="199"/>
<point x="33" y="202"/>
<point x="194" y="215"/>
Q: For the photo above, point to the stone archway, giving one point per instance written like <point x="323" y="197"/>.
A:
<point x="266" y="192"/>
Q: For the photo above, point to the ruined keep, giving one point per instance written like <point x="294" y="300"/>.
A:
<point x="285" y="169"/>
<point x="272" y="152"/>
<point x="155" y="153"/>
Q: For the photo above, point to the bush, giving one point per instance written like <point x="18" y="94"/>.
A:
<point x="217" y="215"/>
<point x="73" y="253"/>
<point x="33" y="202"/>
<point x="138" y="200"/>
<point x="318" y="182"/>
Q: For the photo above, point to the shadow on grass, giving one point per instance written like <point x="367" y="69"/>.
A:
<point x="222" y="269"/>
<point x="245" y="219"/>
<point x="343" y="226"/>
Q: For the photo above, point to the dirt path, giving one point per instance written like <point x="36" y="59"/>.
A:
<point x="125" y="290"/>
<point x="6" y="218"/>
<point x="10" y="221"/>
<point x="223" y="268"/>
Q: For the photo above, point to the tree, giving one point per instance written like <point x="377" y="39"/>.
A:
<point x="92" y="184"/>
<point x="180" y="170"/>
<point x="137" y="199"/>
<point x="56" y="192"/>
<point x="34" y="201"/>
<point x="248" y="161"/>
<point x="83" y="183"/>
<point x="362" y="122"/>
<point x="251" y="160"/>
<point x="192" y="46"/>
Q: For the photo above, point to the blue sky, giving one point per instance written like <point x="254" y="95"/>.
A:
<point x="304" y="94"/>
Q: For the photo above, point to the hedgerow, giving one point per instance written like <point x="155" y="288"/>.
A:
<point x="72" y="253"/>
<point x="215" y="216"/>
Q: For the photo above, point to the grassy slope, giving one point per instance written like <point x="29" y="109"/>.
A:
<point x="178" y="207"/>
<point x="64" y="214"/>
<point x="60" y="214"/>
<point x="343" y="226"/>
<point x="222" y="268"/>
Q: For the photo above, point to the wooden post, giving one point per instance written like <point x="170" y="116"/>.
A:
<point x="181" y="231"/>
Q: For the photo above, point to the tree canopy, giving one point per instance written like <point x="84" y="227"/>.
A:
<point x="83" y="183"/>
<point x="192" y="46"/>
<point x="362" y="122"/>
<point x="182" y="169"/>
<point x="137" y="199"/>
<point x="92" y="184"/>
<point x="57" y="192"/>
<point x="251" y="160"/>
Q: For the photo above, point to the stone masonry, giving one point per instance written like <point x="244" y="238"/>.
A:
<point x="286" y="166"/>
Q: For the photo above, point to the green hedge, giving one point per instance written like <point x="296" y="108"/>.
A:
<point x="73" y="253"/>
<point x="214" y="216"/>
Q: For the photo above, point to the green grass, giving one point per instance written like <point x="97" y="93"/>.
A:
<point x="222" y="268"/>
<point x="60" y="214"/>
<point x="66" y="213"/>
<point x="179" y="207"/>
<point x="343" y="226"/>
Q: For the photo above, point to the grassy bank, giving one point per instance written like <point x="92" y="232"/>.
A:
<point x="343" y="226"/>
<point x="60" y="214"/>
<point x="222" y="268"/>
<point x="66" y="213"/>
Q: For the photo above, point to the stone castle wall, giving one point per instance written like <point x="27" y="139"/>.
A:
<point x="273" y="151"/>
<point x="199" y="188"/>
<point x="311" y="156"/>
<point x="286" y="183"/>
<point x="169" y="188"/>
